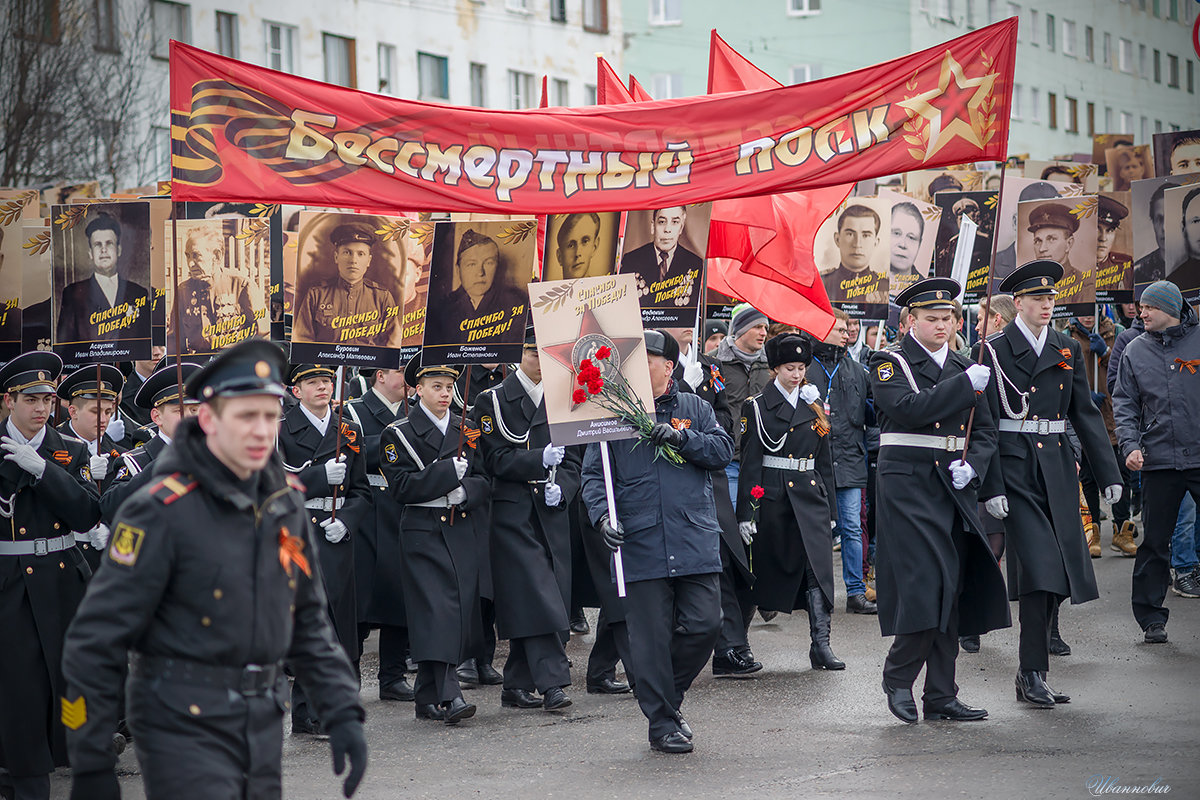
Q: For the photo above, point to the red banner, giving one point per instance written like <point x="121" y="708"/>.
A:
<point x="246" y="133"/>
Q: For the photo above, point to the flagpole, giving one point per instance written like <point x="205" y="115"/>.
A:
<point x="618" y="564"/>
<point x="340" y="396"/>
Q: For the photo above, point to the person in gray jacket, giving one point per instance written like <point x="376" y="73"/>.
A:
<point x="1157" y="410"/>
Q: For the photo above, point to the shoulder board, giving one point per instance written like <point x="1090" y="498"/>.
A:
<point x="173" y="487"/>
<point x="294" y="482"/>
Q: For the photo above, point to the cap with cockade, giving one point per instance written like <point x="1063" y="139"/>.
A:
<point x="1052" y="215"/>
<point x="787" y="348"/>
<point x="351" y="233"/>
<point x="163" y="385"/>
<point x="35" y="372"/>
<point x="301" y="372"/>
<point x="530" y="338"/>
<point x="1111" y="212"/>
<point x="471" y="238"/>
<point x="255" y="366"/>
<point x="1036" y="277"/>
<point x="935" y="294"/>
<point x="82" y="384"/>
<point x="661" y="343"/>
<point x="414" y="371"/>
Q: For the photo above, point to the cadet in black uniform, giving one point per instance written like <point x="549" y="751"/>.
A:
<point x="936" y="576"/>
<point x="427" y="461"/>
<point x="333" y="481"/>
<point x="46" y="492"/>
<point x="785" y="450"/>
<point x="532" y="484"/>
<point x="210" y="582"/>
<point x="377" y="570"/>
<point x="1041" y="383"/>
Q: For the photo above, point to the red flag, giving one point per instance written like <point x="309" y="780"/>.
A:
<point x="768" y="237"/>
<point x="610" y="89"/>
<point x="635" y="89"/>
<point x="544" y="102"/>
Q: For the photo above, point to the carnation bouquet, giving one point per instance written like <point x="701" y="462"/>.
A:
<point x="616" y="396"/>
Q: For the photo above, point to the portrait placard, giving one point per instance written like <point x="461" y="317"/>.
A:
<point x="477" y="278"/>
<point x="980" y="207"/>
<point x="1148" y="212"/>
<point x="1128" y="164"/>
<point x="100" y="299"/>
<point x="580" y="245"/>
<point x="1016" y="190"/>
<point x="1114" y="249"/>
<point x="574" y="319"/>
<point x="1177" y="153"/>
<point x="853" y="256"/>
<point x="1107" y="141"/>
<point x="16" y="209"/>
<point x="1077" y="172"/>
<point x="36" y="266"/>
<point x="664" y="250"/>
<point x="1063" y="230"/>
<point x="924" y="184"/>
<point x="912" y="239"/>
<point x="1182" y="240"/>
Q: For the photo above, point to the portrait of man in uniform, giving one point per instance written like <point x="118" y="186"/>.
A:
<point x="580" y="245"/>
<point x="1150" y="223"/>
<point x="348" y="307"/>
<point x="925" y="184"/>
<point x="858" y="271"/>
<point x="1177" y="152"/>
<point x="109" y="300"/>
<point x="1018" y="190"/>
<point x="1113" y="262"/>
<point x="663" y="257"/>
<point x="1183" y="239"/>
<point x="1061" y="231"/>
<point x="664" y="249"/>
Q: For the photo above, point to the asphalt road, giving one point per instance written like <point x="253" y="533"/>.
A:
<point x="794" y="732"/>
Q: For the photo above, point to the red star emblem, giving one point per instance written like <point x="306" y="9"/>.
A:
<point x="952" y="106"/>
<point x="591" y="338"/>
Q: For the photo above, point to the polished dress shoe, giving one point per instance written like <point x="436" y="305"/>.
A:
<point x="608" y="686"/>
<point x="684" y="728"/>
<point x="732" y="662"/>
<point x="457" y="710"/>
<point x="519" y="698"/>
<point x="310" y="727"/>
<point x="400" y="690"/>
<point x="673" y="742"/>
<point x="468" y="674"/>
<point x="488" y="675"/>
<point x="901" y="704"/>
<point x="555" y="699"/>
<point x="1156" y="633"/>
<point x="969" y="644"/>
<point x="580" y="625"/>
<point x="956" y="710"/>
<point x="1032" y="689"/>
<point x="1057" y="646"/>
<point x="767" y="616"/>
<point x="429" y="711"/>
<point x="1059" y="697"/>
<point x="859" y="604"/>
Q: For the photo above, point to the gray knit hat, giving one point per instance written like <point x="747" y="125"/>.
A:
<point x="745" y="317"/>
<point x="1165" y="296"/>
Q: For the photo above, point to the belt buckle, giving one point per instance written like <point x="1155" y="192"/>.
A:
<point x="41" y="547"/>
<point x="249" y="680"/>
<point x="951" y="444"/>
<point x="1043" y="427"/>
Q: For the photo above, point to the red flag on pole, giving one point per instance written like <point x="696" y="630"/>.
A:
<point x="637" y="92"/>
<point x="544" y="102"/>
<point x="610" y="89"/>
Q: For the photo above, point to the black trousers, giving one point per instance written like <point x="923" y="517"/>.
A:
<point x="1036" y="610"/>
<point x="737" y="609"/>
<point x="35" y="788"/>
<point x="393" y="652"/>
<point x="487" y="647"/>
<point x="673" y="624"/>
<point x="1091" y="491"/>
<point x="1162" y="492"/>
<point x="934" y="649"/>
<point x="437" y="682"/>
<point x="536" y="662"/>
<point x="612" y="645"/>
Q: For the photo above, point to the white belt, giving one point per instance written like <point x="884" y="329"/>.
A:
<point x="797" y="464"/>
<point x="324" y="503"/>
<point x="437" y="502"/>
<point x="951" y="444"/>
<point x="378" y="481"/>
<point x="82" y="538"/>
<point x="1042" y="427"/>
<point x="38" y="547"/>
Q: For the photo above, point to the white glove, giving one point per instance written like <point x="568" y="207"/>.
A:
<point x="979" y="375"/>
<point x="961" y="473"/>
<point x="553" y="494"/>
<point x="98" y="536"/>
<point x="116" y="428"/>
<point x="693" y="373"/>
<point x="997" y="506"/>
<point x="24" y="456"/>
<point x="335" y="470"/>
<point x="98" y="465"/>
<point x="809" y="394"/>
<point x="335" y="530"/>
<point x="457" y="496"/>
<point x="460" y="466"/>
<point x="833" y="524"/>
<point x="553" y="456"/>
<point x="747" y="531"/>
<point x="1112" y="494"/>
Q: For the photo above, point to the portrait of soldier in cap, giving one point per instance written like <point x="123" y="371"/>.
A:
<point x="979" y="207"/>
<point x="1016" y="190"/>
<point x="1112" y="262"/>
<point x="1059" y="231"/>
<point x="854" y="267"/>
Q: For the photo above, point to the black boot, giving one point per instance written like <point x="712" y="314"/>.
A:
<point x="1057" y="646"/>
<point x="820" y="654"/>
<point x="1031" y="688"/>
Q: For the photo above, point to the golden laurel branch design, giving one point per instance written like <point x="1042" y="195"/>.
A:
<point x="254" y="229"/>
<point x="555" y="298"/>
<point x="987" y="109"/>
<point x="265" y="209"/>
<point x="10" y="212"/>
<point x="917" y="127"/>
<point x="515" y="234"/>
<point x="70" y="217"/>
<point x="931" y="214"/>
<point x="1087" y="208"/>
<point x="37" y="244"/>
<point x="394" y="231"/>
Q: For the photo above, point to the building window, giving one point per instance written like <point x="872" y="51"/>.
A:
<point x="1191" y="85"/>
<point x="1157" y="67"/>
<point x="1089" y="43"/>
<point x="517" y="5"/>
<point x="1035" y="34"/>
<point x="1158" y="126"/>
<point x="803" y="7"/>
<point x="339" y="60"/>
<point x="1035" y="104"/>
<point x="1173" y="71"/>
<point x="1072" y="125"/>
<point x="107" y="37"/>
<point x="665" y="85"/>
<point x="666" y="12"/>
<point x="972" y="22"/>
<point x="993" y="10"/>
<point x="40" y="22"/>
<point x="520" y="90"/>
<point x="281" y="46"/>
<point x="595" y="16"/>
<point x="227" y="34"/>
<point x="1014" y="10"/>
<point x="169" y="21"/>
<point x="1091" y="119"/>
<point x="479" y="85"/>
<point x="1173" y="10"/>
<point x="1143" y="61"/>
<point x="1125" y="56"/>
<point x="1108" y="49"/>
<point x="1145" y="127"/>
<point x="1126" y="122"/>
<point x="803" y="73"/>
<point x="386" y="56"/>
<point x="433" y="77"/>
<point x="1052" y="110"/>
<point x="558" y="10"/>
<point x="560" y="93"/>
<point x="1051" y="33"/>
<point x="1018" y="92"/>
<point x="589" y="94"/>
<point x="161" y="138"/>
<point x="1068" y="37"/>
<point x="1108" y="118"/>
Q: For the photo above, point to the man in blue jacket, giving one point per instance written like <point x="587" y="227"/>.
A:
<point x="666" y="526"/>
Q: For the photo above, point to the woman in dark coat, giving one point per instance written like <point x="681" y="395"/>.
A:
<point x="785" y="450"/>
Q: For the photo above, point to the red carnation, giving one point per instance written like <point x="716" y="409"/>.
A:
<point x="585" y="365"/>
<point x="757" y="493"/>
<point x="580" y="378"/>
<point x="580" y="397"/>
<point x="595" y="386"/>
<point x="603" y="353"/>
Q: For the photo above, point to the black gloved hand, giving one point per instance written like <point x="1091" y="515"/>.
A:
<point x="1097" y="344"/>
<point x="614" y="536"/>
<point x="1098" y="399"/>
<point x="346" y="739"/>
<point x="95" y="786"/>
<point x="663" y="434"/>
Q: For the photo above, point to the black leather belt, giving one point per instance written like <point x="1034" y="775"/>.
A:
<point x="249" y="680"/>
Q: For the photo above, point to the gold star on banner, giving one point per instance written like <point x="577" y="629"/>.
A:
<point x="953" y="109"/>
